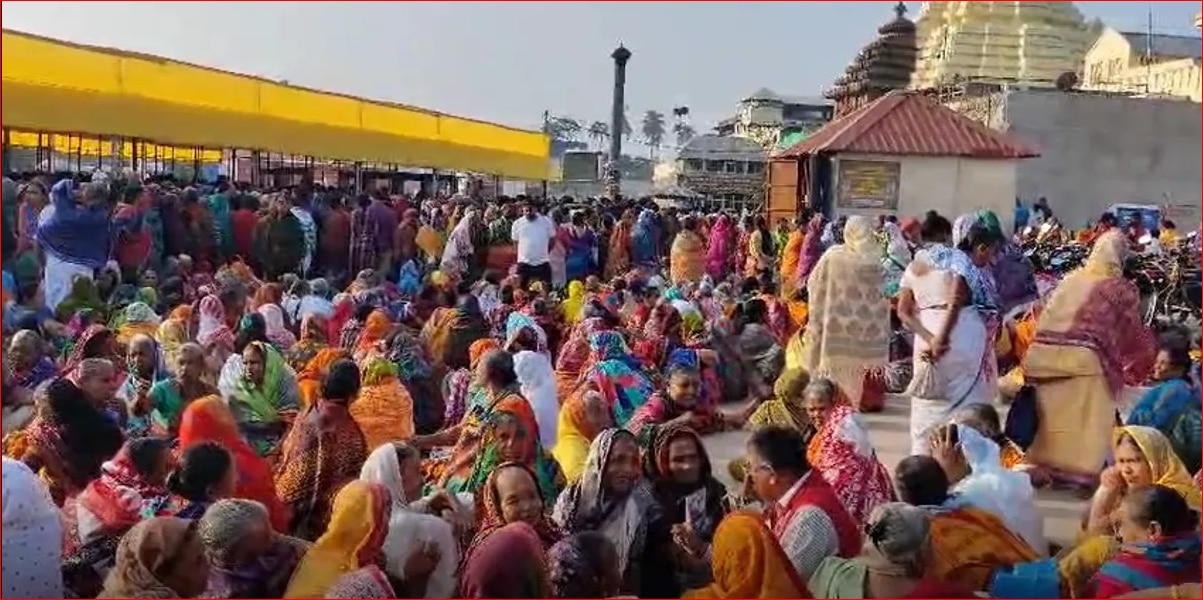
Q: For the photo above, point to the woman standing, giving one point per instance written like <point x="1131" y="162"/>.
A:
<point x="939" y="294"/>
<point x="1089" y="343"/>
<point x="687" y="260"/>
<point x="847" y="335"/>
<point x="718" y="254"/>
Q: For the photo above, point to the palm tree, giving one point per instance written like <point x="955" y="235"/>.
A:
<point x="683" y="132"/>
<point x="653" y="130"/>
<point x="598" y="132"/>
<point x="561" y="128"/>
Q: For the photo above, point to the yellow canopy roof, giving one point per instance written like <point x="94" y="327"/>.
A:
<point x="51" y="85"/>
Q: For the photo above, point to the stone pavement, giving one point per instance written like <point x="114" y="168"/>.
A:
<point x="890" y="432"/>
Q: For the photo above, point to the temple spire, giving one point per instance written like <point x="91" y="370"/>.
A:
<point x="900" y="9"/>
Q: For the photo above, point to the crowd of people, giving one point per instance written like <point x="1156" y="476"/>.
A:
<point x="214" y="392"/>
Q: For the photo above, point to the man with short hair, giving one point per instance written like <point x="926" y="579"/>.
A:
<point x="534" y="234"/>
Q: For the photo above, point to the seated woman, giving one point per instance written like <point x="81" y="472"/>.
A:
<point x="682" y="403"/>
<point x="1143" y="457"/>
<point x="785" y="410"/>
<point x="984" y="419"/>
<point x="584" y="565"/>
<point x="1089" y="343"/>
<point x="613" y="498"/>
<point x="842" y="452"/>
<point x="895" y="564"/>
<point x="511" y="563"/>
<point x="416" y="524"/>
<point x="510" y="437"/>
<point x="311" y="375"/>
<point x="611" y="370"/>
<point x="28" y="361"/>
<point x="131" y="487"/>
<point x="458" y="385"/>
<point x="170" y="397"/>
<point x="210" y="420"/>
<point x="1161" y="545"/>
<point x="247" y="558"/>
<point x="574" y="353"/>
<point x="512" y="494"/>
<point x="359" y="521"/>
<point x="161" y="557"/>
<point x="968" y="544"/>
<point x="747" y="562"/>
<point x="323" y="449"/>
<point x="383" y="410"/>
<point x="694" y="502"/>
<point x="584" y="415"/>
<point x="204" y="475"/>
<point x="312" y="339"/>
<point x="1172" y="406"/>
<point x="262" y="393"/>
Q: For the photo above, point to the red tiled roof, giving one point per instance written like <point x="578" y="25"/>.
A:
<point x="910" y="123"/>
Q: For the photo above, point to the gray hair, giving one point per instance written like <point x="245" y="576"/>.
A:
<point x="94" y="366"/>
<point x="899" y="533"/>
<point x="319" y="287"/>
<point x="823" y="388"/>
<point x="227" y="522"/>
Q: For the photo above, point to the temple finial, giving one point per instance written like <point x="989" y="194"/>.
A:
<point x="900" y="9"/>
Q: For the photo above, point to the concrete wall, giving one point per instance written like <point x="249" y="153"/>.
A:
<point x="951" y="186"/>
<point x="1103" y="150"/>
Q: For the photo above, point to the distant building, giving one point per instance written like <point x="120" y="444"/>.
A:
<point x="728" y="170"/>
<point x="885" y="64"/>
<point x="776" y="121"/>
<point x="1139" y="63"/>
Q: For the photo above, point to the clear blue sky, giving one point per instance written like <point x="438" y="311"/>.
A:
<point x="508" y="62"/>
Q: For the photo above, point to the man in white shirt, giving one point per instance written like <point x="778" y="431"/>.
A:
<point x="534" y="233"/>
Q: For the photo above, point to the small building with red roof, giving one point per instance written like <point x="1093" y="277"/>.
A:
<point x="902" y="154"/>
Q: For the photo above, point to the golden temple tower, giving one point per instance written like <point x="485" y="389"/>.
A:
<point x="1027" y="43"/>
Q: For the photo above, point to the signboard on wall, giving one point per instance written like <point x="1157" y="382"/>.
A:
<point x="868" y="184"/>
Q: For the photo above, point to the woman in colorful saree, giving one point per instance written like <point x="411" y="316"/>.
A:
<point x="510" y="436"/>
<point x="791" y="255"/>
<point x="161" y="557"/>
<point x="812" y="249"/>
<point x="458" y="385"/>
<point x="213" y="334"/>
<point x="847" y="335"/>
<point x="584" y="415"/>
<point x="747" y="562"/>
<point x="262" y="393"/>
<point x="311" y="340"/>
<point x="580" y="246"/>
<point x="375" y="330"/>
<point x="210" y="420"/>
<point x="67" y="441"/>
<point x="169" y="398"/>
<point x="83" y="295"/>
<point x="613" y="498"/>
<point x="760" y="249"/>
<point x="687" y="260"/>
<point x="1089" y="343"/>
<point x="512" y="494"/>
<point x="277" y="330"/>
<point x="895" y="565"/>
<point x="510" y="563"/>
<point x="718" y="252"/>
<point x="968" y="544"/>
<point x="682" y="401"/>
<point x="414" y="521"/>
<point x="450" y="331"/>
<point x="323" y="449"/>
<point x="1014" y="277"/>
<point x="842" y="452"/>
<point x="96" y="341"/>
<point x="173" y="332"/>
<point x="611" y="370"/>
<point x="1171" y="406"/>
<point x="247" y="559"/>
<point x="383" y="410"/>
<point x="131" y="487"/>
<point x="359" y="523"/>
<point x="939" y="299"/>
<point x="574" y="353"/>
<point x="618" y="257"/>
<point x="1160" y="545"/>
<point x="29" y="363"/>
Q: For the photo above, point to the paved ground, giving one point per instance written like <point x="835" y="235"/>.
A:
<point x="891" y="436"/>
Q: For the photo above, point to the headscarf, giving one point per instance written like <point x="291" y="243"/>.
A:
<point x="208" y="419"/>
<point x="83" y="295"/>
<point x="1008" y="494"/>
<point x="33" y="536"/>
<point x="83" y="347"/>
<point x="748" y="562"/>
<point x="812" y="249"/>
<point x="897" y="249"/>
<point x="537" y="382"/>
<point x="312" y="339"/>
<point x="212" y="328"/>
<point x="375" y="329"/>
<point x="489" y="511"/>
<point x="617" y="375"/>
<point x="510" y="563"/>
<point x="574" y="303"/>
<point x="718" y="252"/>
<point x="408" y="529"/>
<point x="173" y="333"/>
<point x="262" y="402"/>
<point x="384" y="410"/>
<point x="1165" y="466"/>
<point x="643" y="240"/>
<point x="153" y="559"/>
<point x="359" y="522"/>
<point x="676" y="498"/>
<point x="1107" y="257"/>
<point x="547" y="471"/>
<point x="277" y="331"/>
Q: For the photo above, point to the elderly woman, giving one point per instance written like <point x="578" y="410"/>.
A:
<point x="748" y="562"/>
<point x="323" y="449"/>
<point x="144" y="368"/>
<point x="847" y="335"/>
<point x="27" y="359"/>
<point x="613" y="498"/>
<point x="895" y="565"/>
<point x="510" y="436"/>
<point x="1089" y="343"/>
<point x="842" y="452"/>
<point x="262" y="392"/>
<point x="618" y="376"/>
<point x="512" y="493"/>
<point x="415" y="522"/>
<point x="168" y="398"/>
<point x="247" y="558"/>
<point x="159" y="558"/>
<point x="1170" y="405"/>
<point x="583" y="416"/>
<point x="1160" y="548"/>
<point x="511" y="563"/>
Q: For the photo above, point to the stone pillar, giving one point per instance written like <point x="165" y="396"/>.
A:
<point x="617" y="113"/>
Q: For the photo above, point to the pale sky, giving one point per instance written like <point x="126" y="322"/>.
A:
<point x="509" y="62"/>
